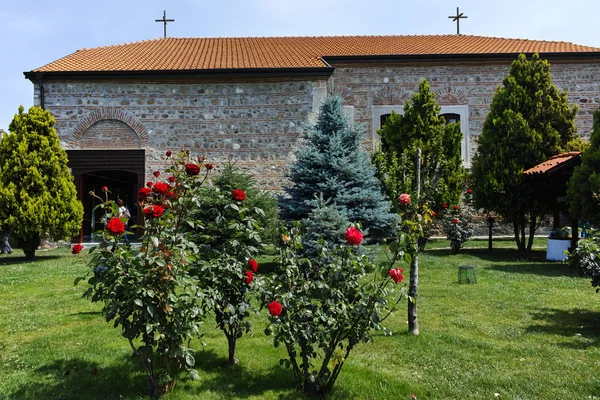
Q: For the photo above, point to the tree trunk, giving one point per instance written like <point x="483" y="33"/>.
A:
<point x="413" y="286"/>
<point x="232" y="340"/>
<point x="519" y="230"/>
<point x="532" y="226"/>
<point x="413" y="292"/>
<point x="30" y="245"/>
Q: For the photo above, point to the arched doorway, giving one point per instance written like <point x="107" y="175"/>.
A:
<point x="122" y="171"/>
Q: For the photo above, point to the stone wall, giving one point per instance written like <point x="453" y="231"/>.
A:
<point x="256" y="123"/>
<point x="364" y="86"/>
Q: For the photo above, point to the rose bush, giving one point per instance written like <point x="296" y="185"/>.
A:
<point x="457" y="223"/>
<point x="321" y="308"/>
<point x="228" y="236"/>
<point x="148" y="290"/>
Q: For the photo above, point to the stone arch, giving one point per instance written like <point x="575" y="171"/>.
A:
<point x="345" y="94"/>
<point x="114" y="115"/>
<point x="451" y="96"/>
<point x="390" y="96"/>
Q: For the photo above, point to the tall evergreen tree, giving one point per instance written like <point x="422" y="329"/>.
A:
<point x="529" y="121"/>
<point x="37" y="193"/>
<point x="333" y="164"/>
<point x="584" y="185"/>
<point x="421" y="126"/>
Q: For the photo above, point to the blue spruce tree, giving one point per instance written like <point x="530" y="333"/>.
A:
<point x="333" y="164"/>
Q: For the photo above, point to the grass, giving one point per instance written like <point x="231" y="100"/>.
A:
<point x="528" y="329"/>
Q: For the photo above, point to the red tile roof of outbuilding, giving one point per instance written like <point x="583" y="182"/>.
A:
<point x="553" y="163"/>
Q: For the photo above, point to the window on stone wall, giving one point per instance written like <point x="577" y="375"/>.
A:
<point x="451" y="118"/>
<point x="449" y="113"/>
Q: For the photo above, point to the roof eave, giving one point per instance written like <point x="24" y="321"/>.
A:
<point x="204" y="73"/>
<point x="551" y="56"/>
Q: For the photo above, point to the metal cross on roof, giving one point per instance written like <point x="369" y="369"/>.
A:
<point x="165" y="20"/>
<point x="456" y="18"/>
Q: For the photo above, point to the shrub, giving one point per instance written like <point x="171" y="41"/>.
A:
<point x="228" y="235"/>
<point x="457" y="220"/>
<point x="321" y="308"/>
<point x="586" y="257"/>
<point x="148" y="290"/>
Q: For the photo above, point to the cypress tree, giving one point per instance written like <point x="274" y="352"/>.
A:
<point x="529" y="121"/>
<point x="37" y="193"/>
<point x="421" y="126"/>
<point x="333" y="164"/>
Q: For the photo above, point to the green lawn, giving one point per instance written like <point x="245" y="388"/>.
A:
<point x="528" y="329"/>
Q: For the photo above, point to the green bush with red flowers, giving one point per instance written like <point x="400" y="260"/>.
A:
<point x="457" y="221"/>
<point x="148" y="290"/>
<point x="228" y="235"/>
<point x="321" y="308"/>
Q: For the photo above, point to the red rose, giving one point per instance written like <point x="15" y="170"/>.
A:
<point x="396" y="275"/>
<point x="161" y="188"/>
<point x="454" y="221"/>
<point x="168" y="153"/>
<point x="144" y="192"/>
<point x="253" y="265"/>
<point x="404" y="199"/>
<point x="238" y="195"/>
<point x="444" y="206"/>
<point x="115" y="226"/>
<point x="469" y="191"/>
<point x="433" y="214"/>
<point x="192" y="169"/>
<point x="105" y="189"/>
<point x="353" y="236"/>
<point x="171" y="179"/>
<point x="275" y="308"/>
<point x="455" y="207"/>
<point x="95" y="371"/>
<point x="77" y="248"/>
<point x="154" y="211"/>
<point x="156" y="173"/>
<point x="209" y="166"/>
<point x="149" y="184"/>
<point x="249" y="276"/>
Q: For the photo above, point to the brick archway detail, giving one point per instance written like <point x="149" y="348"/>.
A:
<point x="112" y="113"/>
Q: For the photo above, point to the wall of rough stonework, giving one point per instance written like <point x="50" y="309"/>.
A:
<point x="366" y="85"/>
<point x="257" y="123"/>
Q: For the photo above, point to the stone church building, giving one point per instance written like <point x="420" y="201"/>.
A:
<point x="119" y="108"/>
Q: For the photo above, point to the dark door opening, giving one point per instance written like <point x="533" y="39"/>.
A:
<point x="121" y="184"/>
<point x="122" y="171"/>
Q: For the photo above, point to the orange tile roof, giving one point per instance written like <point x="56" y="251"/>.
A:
<point x="175" y="54"/>
<point x="553" y="163"/>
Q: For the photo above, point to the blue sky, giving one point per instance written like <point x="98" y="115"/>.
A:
<point x="37" y="32"/>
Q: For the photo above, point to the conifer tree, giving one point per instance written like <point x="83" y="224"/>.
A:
<point x="529" y="121"/>
<point x="333" y="164"/>
<point x="37" y="193"/>
<point x="442" y="171"/>
<point x="584" y="185"/>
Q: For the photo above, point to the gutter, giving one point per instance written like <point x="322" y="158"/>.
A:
<point x="571" y="56"/>
<point x="211" y="73"/>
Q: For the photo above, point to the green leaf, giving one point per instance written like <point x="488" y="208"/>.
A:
<point x="194" y="375"/>
<point x="138" y="302"/>
<point x="189" y="360"/>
